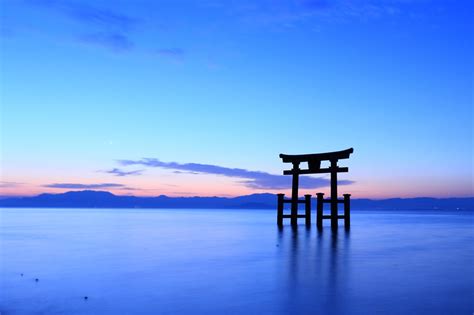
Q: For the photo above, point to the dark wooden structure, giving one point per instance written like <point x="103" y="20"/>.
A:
<point x="314" y="167"/>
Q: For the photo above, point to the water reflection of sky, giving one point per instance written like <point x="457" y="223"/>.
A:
<point x="236" y="261"/>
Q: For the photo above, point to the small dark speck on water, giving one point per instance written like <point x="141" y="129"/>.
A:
<point x="21" y="274"/>
<point x="36" y="279"/>
<point x="85" y="298"/>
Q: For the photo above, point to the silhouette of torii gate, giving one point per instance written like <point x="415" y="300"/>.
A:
<point x="314" y="167"/>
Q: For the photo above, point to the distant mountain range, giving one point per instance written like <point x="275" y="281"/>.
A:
<point x="103" y="199"/>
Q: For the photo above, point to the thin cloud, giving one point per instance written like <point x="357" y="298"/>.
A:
<point x="114" y="42"/>
<point x="88" y="14"/>
<point x="174" y="54"/>
<point x="121" y="173"/>
<point x="5" y="184"/>
<point x="129" y="188"/>
<point x="170" y="52"/>
<point x="315" y="4"/>
<point x="187" y="172"/>
<point x="299" y="12"/>
<point x="84" y="186"/>
<point x="252" y="179"/>
<point x="101" y="27"/>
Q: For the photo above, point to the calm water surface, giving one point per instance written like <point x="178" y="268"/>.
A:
<point x="233" y="262"/>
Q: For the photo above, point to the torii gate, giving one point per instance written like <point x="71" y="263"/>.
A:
<point x="314" y="167"/>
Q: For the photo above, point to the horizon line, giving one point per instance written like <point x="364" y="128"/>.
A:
<point x="214" y="196"/>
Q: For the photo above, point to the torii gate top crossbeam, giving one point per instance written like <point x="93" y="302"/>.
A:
<point x="336" y="155"/>
<point x="314" y="162"/>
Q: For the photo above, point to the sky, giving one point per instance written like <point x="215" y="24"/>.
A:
<point x="185" y="98"/>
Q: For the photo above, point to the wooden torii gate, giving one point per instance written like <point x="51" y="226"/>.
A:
<point x="314" y="167"/>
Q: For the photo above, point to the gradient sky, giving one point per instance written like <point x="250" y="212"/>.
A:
<point x="169" y="97"/>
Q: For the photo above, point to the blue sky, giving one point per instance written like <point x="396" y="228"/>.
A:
<point x="231" y="84"/>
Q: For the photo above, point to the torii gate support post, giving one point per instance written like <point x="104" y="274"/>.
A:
<point x="307" y="209"/>
<point x="280" y="209"/>
<point x="347" y="210"/>
<point x="294" y="193"/>
<point x="319" y="210"/>
<point x="334" y="194"/>
<point x="281" y="205"/>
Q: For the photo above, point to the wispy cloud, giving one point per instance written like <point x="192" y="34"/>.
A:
<point x="122" y="173"/>
<point x="172" y="53"/>
<point x="316" y="4"/>
<point x="252" y="179"/>
<point x="113" y="41"/>
<point x="298" y="12"/>
<point x="84" y="186"/>
<point x="5" y="184"/>
<point x="88" y="14"/>
<point x="187" y="172"/>
<point x="101" y="27"/>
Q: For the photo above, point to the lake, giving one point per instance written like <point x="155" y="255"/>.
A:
<point x="158" y="261"/>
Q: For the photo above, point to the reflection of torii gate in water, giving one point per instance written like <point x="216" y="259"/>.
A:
<point x="314" y="167"/>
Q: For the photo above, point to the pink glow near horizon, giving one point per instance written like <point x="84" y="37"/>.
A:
<point x="165" y="182"/>
<point x="228" y="188"/>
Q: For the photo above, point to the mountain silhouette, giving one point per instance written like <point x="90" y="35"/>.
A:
<point x="104" y="199"/>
